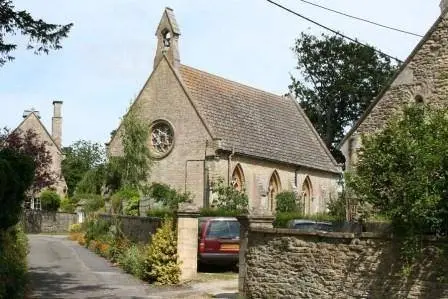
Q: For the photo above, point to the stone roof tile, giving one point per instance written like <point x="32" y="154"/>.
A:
<point x="256" y="123"/>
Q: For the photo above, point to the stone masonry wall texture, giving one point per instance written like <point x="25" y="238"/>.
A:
<point x="287" y="264"/>
<point x="32" y="123"/>
<point x="425" y="75"/>
<point x="163" y="98"/>
<point x="34" y="221"/>
<point x="137" y="229"/>
<point x="257" y="174"/>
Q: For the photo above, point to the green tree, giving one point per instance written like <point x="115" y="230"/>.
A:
<point x="92" y="181"/>
<point x="50" y="201"/>
<point x="136" y="161"/>
<point x="229" y="199"/>
<point x="16" y="176"/>
<point x="42" y="37"/>
<point x="29" y="144"/>
<point x="168" y="197"/>
<point x="338" y="80"/>
<point x="287" y="202"/>
<point x="402" y="171"/>
<point x="161" y="263"/>
<point x="81" y="157"/>
<point x="129" y="172"/>
<point x="126" y="201"/>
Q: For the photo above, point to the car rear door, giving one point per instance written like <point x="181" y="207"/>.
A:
<point x="222" y="236"/>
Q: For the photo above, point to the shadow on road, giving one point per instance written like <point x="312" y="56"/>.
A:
<point x="46" y="282"/>
<point x="217" y="268"/>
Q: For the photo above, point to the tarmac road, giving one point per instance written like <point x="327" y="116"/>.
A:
<point x="59" y="268"/>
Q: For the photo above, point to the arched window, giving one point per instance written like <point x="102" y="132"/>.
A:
<point x="238" y="178"/>
<point x="273" y="190"/>
<point x="307" y="194"/>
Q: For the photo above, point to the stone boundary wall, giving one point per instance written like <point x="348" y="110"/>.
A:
<point x="137" y="229"/>
<point x="35" y="222"/>
<point x="284" y="263"/>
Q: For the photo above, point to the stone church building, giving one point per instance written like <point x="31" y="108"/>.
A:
<point x="204" y="127"/>
<point x="422" y="78"/>
<point x="32" y="121"/>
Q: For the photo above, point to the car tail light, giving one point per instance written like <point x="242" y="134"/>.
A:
<point x="201" y="247"/>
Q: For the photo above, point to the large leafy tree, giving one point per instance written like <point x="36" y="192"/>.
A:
<point x="136" y="160"/>
<point x="126" y="174"/>
<point x="81" y="157"/>
<point x="28" y="143"/>
<point x="129" y="172"/>
<point x="16" y="175"/>
<point x="403" y="171"/>
<point x="338" y="80"/>
<point x="42" y="36"/>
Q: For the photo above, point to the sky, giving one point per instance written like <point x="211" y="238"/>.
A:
<point x="109" y="53"/>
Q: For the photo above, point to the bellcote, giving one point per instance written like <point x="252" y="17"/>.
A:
<point x="168" y="39"/>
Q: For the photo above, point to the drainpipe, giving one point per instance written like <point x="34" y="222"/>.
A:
<point x="228" y="165"/>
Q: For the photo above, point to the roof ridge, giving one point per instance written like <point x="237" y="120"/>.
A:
<point x="233" y="82"/>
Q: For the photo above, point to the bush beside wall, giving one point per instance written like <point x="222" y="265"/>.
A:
<point x="154" y="261"/>
<point x="13" y="265"/>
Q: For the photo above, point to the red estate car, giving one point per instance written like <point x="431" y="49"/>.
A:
<point x="219" y="240"/>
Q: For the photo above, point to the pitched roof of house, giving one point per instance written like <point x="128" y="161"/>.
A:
<point x="256" y="123"/>
<point x="44" y="129"/>
<point x="402" y="67"/>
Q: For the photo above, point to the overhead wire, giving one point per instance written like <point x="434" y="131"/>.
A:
<point x="333" y="30"/>
<point x="362" y="19"/>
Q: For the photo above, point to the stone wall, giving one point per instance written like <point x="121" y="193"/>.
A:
<point x="191" y="165"/>
<point x="137" y="229"/>
<point x="423" y="77"/>
<point x="257" y="174"/>
<point x="164" y="91"/>
<point x="282" y="263"/>
<point x="35" y="222"/>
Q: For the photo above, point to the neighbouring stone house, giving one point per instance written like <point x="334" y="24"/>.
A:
<point x="204" y="127"/>
<point x="422" y="78"/>
<point x="32" y="121"/>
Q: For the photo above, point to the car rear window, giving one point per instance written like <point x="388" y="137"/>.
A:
<point x="223" y="229"/>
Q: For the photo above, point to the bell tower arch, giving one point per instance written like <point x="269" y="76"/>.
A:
<point x="168" y="39"/>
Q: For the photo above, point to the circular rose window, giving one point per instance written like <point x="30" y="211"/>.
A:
<point x="162" y="138"/>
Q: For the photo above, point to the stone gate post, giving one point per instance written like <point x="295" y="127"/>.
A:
<point x="260" y="219"/>
<point x="187" y="240"/>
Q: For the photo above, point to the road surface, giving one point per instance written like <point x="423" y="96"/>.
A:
<point x="59" y="268"/>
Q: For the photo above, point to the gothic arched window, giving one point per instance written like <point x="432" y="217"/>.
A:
<point x="273" y="189"/>
<point x="307" y="194"/>
<point x="238" y="178"/>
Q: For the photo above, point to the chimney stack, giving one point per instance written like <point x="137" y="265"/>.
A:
<point x="443" y="5"/>
<point x="56" y="124"/>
